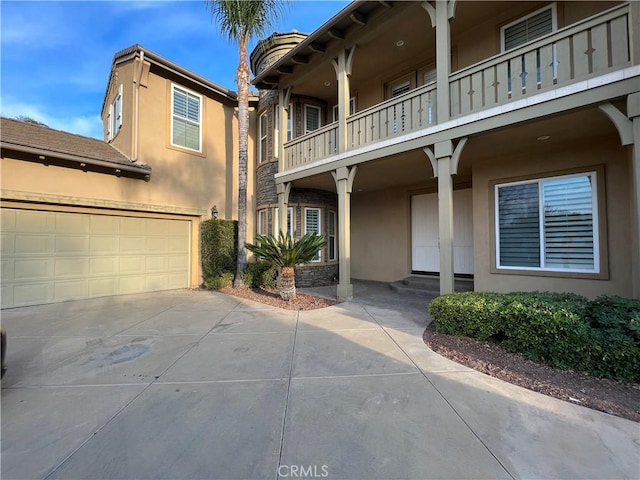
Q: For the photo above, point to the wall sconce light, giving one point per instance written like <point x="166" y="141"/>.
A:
<point x="214" y="212"/>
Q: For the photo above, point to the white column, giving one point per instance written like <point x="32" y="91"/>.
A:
<point x="343" y="177"/>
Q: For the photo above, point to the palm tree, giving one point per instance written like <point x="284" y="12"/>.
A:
<point x="285" y="253"/>
<point x="240" y="21"/>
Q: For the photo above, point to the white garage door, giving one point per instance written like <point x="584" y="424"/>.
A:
<point x="425" y="238"/>
<point x="53" y="256"/>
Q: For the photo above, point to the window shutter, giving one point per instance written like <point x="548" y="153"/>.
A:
<point x="430" y="76"/>
<point x="519" y="225"/>
<point x="400" y="89"/>
<point x="110" y="123"/>
<point x="568" y="223"/>
<point x="119" y="107"/>
<point x="528" y="29"/>
<point x="312" y="225"/>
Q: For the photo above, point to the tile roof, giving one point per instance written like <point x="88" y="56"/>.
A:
<point x="24" y="136"/>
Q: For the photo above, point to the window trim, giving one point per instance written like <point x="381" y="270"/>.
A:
<point x="600" y="236"/>
<point x="319" y="232"/>
<point x="332" y="237"/>
<point x="554" y="23"/>
<point x="200" y="117"/>
<point x="262" y="223"/>
<point x="276" y="222"/>
<point x="263" y="117"/>
<point x="307" y="106"/>
<point x="352" y="108"/>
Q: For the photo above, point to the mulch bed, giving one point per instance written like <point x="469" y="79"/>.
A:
<point x="272" y="298"/>
<point x="615" y="398"/>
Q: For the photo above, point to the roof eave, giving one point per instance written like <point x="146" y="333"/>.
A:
<point x="271" y="71"/>
<point x="84" y="163"/>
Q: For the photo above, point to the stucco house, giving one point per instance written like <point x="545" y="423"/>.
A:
<point x="85" y="218"/>
<point x="496" y="141"/>
<point x="493" y="140"/>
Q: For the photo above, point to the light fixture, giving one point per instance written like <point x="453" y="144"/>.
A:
<point x="542" y="138"/>
<point x="214" y="212"/>
<point x="400" y="43"/>
<point x="327" y="83"/>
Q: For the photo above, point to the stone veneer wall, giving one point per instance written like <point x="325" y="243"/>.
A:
<point x="316" y="275"/>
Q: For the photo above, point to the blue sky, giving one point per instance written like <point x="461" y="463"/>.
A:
<point x="56" y="55"/>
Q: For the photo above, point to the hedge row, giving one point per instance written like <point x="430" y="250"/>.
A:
<point x="565" y="330"/>
<point x="218" y="250"/>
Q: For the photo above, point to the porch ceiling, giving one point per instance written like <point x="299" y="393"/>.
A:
<point x="377" y="52"/>
<point x="413" y="169"/>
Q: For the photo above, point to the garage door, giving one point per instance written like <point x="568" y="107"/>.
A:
<point x="53" y="256"/>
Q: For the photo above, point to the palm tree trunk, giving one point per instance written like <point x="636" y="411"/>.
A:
<point x="287" y="283"/>
<point x="242" y="79"/>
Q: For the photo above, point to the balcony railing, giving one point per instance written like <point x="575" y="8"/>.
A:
<point x="580" y="51"/>
<point x="405" y="113"/>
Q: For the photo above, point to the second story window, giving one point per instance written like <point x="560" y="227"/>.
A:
<point x="186" y="118"/>
<point x="114" y="118"/>
<point x="311" y="118"/>
<point x="352" y="108"/>
<point x="262" y="146"/>
<point x="537" y="24"/>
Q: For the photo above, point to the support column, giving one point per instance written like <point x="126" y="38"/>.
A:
<point x="343" y="177"/>
<point x="633" y="111"/>
<point x="440" y="15"/>
<point x="283" y="117"/>
<point x="283" y="190"/>
<point x="342" y="66"/>
<point x="444" y="160"/>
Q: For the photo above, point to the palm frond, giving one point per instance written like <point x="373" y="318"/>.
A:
<point x="284" y="251"/>
<point x="244" y="19"/>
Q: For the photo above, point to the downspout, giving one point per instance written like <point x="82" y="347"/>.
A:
<point x="136" y="109"/>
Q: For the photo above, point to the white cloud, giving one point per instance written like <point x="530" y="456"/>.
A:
<point x="87" y="125"/>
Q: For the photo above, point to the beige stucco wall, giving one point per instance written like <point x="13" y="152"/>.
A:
<point x="182" y="182"/>
<point x="601" y="151"/>
<point x="380" y="235"/>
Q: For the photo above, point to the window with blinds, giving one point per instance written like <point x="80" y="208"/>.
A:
<point x="185" y="118"/>
<point x="262" y="143"/>
<point x="311" y="118"/>
<point x="529" y="28"/>
<point x="312" y="224"/>
<point x="548" y="224"/>
<point x="331" y="235"/>
<point x="276" y="222"/>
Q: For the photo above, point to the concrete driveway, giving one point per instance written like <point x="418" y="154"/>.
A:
<point x="200" y="385"/>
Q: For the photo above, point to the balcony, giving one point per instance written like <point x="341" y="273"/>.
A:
<point x="590" y="48"/>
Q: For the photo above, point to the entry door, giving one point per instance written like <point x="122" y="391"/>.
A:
<point x="424" y="232"/>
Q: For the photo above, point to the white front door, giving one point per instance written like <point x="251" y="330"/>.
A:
<point x="425" y="254"/>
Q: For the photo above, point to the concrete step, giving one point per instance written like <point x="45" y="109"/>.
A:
<point x="428" y="286"/>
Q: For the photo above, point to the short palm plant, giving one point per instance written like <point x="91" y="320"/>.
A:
<point x="285" y="253"/>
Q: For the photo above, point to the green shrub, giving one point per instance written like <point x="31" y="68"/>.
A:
<point x="616" y="314"/>
<point x="472" y="314"/>
<point x="218" y="248"/>
<point x="562" y="329"/>
<point x="219" y="281"/>
<point x="260" y="274"/>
